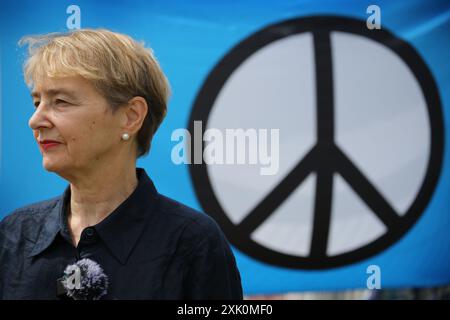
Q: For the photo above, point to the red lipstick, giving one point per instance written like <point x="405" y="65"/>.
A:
<point x="47" y="144"/>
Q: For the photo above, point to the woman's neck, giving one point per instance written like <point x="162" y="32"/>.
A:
<point x="95" y="196"/>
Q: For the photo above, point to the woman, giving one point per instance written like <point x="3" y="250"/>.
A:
<point x="99" y="97"/>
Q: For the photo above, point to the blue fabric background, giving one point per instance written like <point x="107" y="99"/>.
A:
<point x="189" y="38"/>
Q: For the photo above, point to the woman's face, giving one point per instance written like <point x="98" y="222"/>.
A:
<point x="72" y="112"/>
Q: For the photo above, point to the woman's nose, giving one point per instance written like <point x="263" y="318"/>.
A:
<point x="40" y="118"/>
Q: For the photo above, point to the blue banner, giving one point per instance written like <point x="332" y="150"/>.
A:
<point x="354" y="97"/>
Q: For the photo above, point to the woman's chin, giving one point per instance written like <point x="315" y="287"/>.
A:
<point x="51" y="165"/>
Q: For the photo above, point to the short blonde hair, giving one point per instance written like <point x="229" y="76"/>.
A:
<point x="118" y="66"/>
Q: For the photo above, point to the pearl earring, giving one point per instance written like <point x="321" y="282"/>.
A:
<point x="125" y="136"/>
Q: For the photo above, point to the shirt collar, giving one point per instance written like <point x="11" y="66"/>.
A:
<point x="119" y="231"/>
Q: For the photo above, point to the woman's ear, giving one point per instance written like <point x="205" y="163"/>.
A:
<point x="134" y="115"/>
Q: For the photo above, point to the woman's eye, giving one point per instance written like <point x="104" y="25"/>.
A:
<point x="59" y="101"/>
<point x="36" y="104"/>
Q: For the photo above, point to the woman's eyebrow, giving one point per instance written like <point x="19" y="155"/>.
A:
<point x="54" y="92"/>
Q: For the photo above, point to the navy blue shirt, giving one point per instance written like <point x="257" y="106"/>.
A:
<point x="150" y="247"/>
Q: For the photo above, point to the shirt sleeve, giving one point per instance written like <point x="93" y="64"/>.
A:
<point x="212" y="271"/>
<point x="2" y="259"/>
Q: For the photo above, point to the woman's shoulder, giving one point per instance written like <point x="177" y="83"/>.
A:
<point x="198" y="222"/>
<point x="29" y="216"/>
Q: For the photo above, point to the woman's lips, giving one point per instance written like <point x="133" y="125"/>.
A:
<point x="48" y="145"/>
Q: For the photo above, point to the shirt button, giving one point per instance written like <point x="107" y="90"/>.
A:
<point x="89" y="232"/>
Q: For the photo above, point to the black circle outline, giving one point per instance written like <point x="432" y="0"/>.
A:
<point x="218" y="76"/>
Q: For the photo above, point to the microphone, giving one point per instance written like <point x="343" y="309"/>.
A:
<point x="83" y="280"/>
